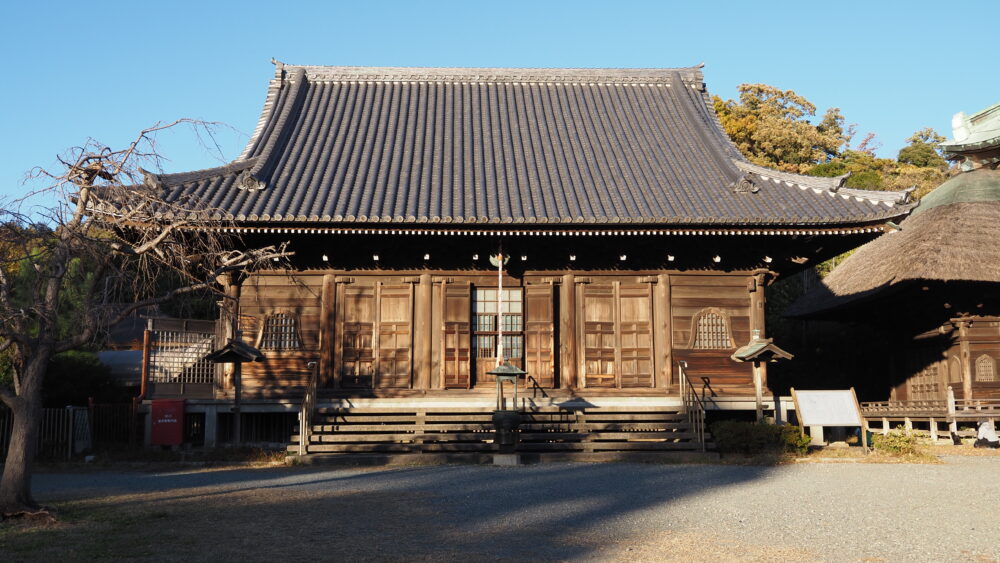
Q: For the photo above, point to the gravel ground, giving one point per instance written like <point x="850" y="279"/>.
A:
<point x="593" y="512"/>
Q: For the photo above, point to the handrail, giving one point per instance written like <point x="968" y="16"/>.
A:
<point x="308" y="408"/>
<point x="693" y="405"/>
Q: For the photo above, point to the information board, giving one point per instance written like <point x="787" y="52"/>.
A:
<point x="827" y="408"/>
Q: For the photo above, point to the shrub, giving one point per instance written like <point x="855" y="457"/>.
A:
<point x="750" y="438"/>
<point x="896" y="442"/>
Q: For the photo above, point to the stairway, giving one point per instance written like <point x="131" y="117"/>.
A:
<point x="544" y="430"/>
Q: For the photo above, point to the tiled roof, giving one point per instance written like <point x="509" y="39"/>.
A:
<point x="353" y="145"/>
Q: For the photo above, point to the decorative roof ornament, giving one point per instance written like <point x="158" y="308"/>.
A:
<point x="150" y="180"/>
<point x="247" y="181"/>
<point x="841" y="182"/>
<point x="745" y="185"/>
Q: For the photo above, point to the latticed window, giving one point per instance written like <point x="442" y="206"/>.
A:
<point x="985" y="369"/>
<point x="178" y="356"/>
<point x="281" y="332"/>
<point x="486" y="319"/>
<point x="711" y="332"/>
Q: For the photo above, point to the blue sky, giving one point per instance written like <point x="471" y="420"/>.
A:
<point x="107" y="69"/>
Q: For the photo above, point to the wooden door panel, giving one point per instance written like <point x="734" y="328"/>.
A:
<point x="456" y="314"/>
<point x="539" y="323"/>
<point x="599" y="350"/>
<point x="636" y="335"/>
<point x="395" y="307"/>
<point x="357" y="366"/>
<point x="618" y="336"/>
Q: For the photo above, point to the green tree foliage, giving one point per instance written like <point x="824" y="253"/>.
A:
<point x="770" y="126"/>
<point x="922" y="150"/>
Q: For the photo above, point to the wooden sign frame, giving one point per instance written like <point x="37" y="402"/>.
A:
<point x="862" y="423"/>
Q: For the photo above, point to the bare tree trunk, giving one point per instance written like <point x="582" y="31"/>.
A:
<point x="15" y="486"/>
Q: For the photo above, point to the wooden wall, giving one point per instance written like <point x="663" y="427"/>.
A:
<point x="728" y="299"/>
<point x="385" y="333"/>
<point x="964" y="355"/>
<point x="282" y="371"/>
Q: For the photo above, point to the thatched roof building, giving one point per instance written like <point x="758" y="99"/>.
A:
<point x="952" y="236"/>
<point x="931" y="290"/>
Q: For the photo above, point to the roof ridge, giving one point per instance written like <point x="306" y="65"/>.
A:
<point x="833" y="184"/>
<point x="175" y="178"/>
<point x="494" y="74"/>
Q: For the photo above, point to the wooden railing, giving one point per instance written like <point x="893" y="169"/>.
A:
<point x="933" y="412"/>
<point x="962" y="409"/>
<point x="693" y="405"/>
<point x="308" y="408"/>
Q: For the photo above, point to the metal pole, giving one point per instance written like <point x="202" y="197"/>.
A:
<point x="499" y="309"/>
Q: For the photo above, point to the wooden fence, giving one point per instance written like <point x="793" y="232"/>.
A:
<point x="68" y="431"/>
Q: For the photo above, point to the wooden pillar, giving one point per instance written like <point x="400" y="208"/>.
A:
<point x="966" y="354"/>
<point x="758" y="322"/>
<point x="952" y="421"/>
<point x="423" y="343"/>
<point x="758" y="389"/>
<point x="229" y="320"/>
<point x="662" y="317"/>
<point x="326" y="331"/>
<point x="233" y="291"/>
<point x="567" y="332"/>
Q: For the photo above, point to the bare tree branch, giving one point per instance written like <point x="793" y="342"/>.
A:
<point x="70" y="271"/>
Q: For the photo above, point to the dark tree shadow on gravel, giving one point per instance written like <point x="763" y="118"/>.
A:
<point x="543" y="512"/>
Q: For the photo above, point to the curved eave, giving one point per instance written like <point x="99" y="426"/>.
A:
<point x="305" y="229"/>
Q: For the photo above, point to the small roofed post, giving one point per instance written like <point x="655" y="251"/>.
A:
<point x="236" y="352"/>
<point x="506" y="421"/>
<point x="759" y="350"/>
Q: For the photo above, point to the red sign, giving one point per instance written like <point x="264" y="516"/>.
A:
<point x="168" y="422"/>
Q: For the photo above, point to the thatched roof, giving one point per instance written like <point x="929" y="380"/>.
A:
<point x="954" y="237"/>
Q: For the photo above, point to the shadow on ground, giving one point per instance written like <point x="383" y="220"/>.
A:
<point x="542" y="512"/>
